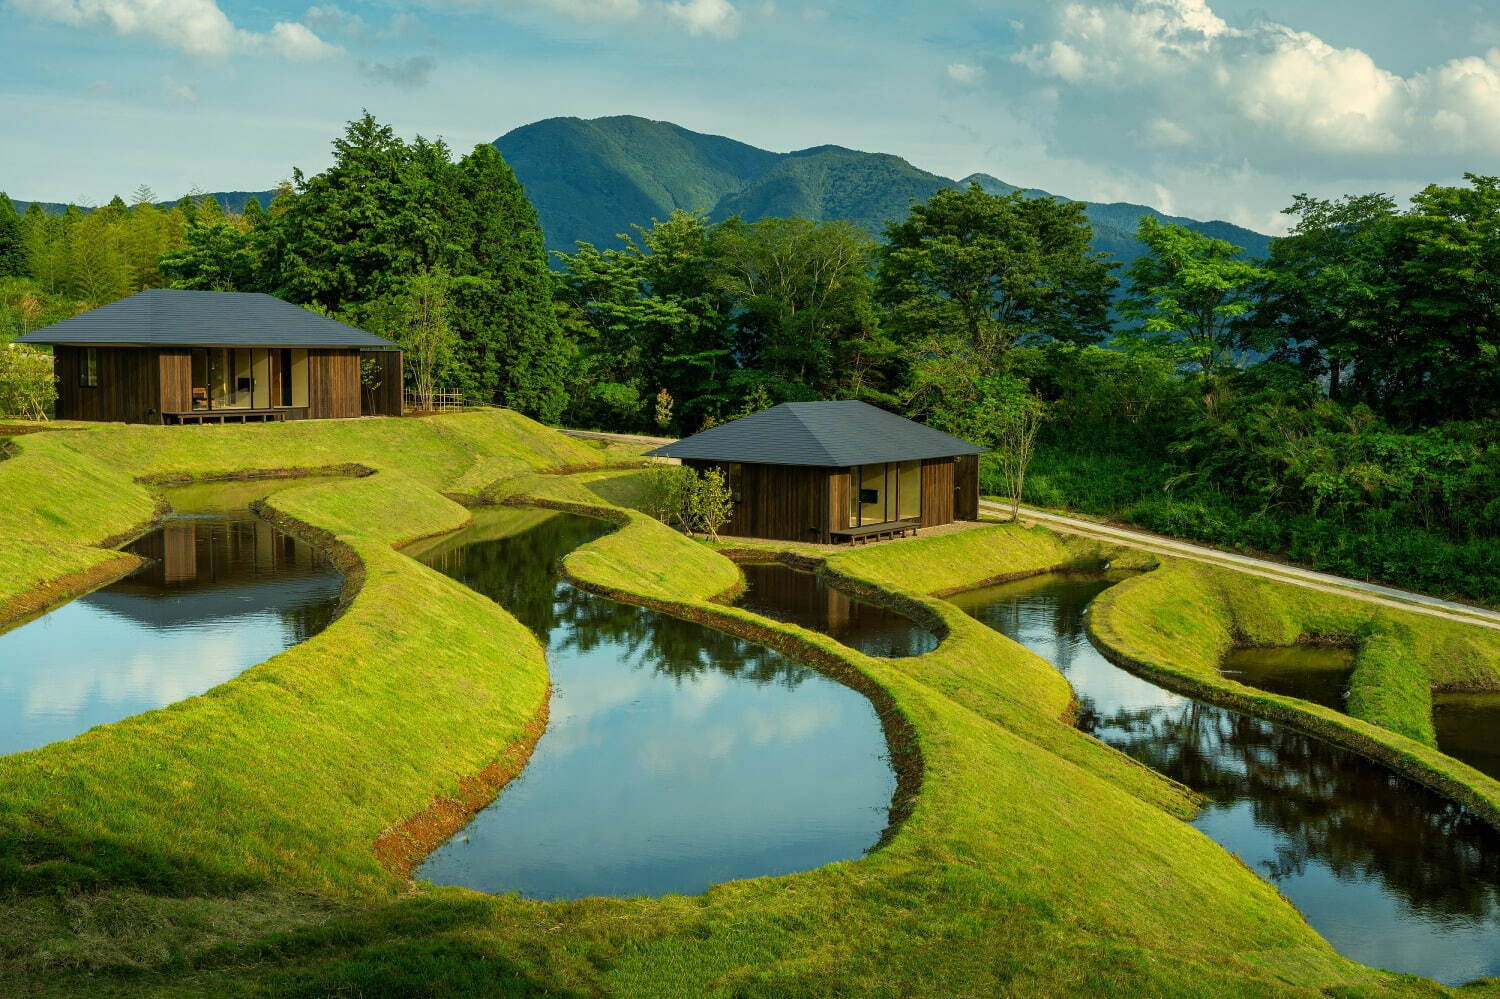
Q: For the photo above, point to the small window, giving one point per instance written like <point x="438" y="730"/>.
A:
<point x="88" y="368"/>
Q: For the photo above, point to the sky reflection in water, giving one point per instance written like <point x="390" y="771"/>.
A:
<point x="675" y="757"/>
<point x="223" y="592"/>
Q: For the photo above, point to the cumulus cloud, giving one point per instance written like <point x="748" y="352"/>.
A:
<point x="408" y="73"/>
<point x="964" y="74"/>
<point x="198" y="27"/>
<point x="1169" y="73"/>
<point x="719" y="18"/>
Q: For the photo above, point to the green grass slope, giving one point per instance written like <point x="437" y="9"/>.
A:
<point x="229" y="844"/>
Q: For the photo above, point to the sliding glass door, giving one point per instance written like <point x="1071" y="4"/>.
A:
<point x="248" y="378"/>
<point x="882" y="493"/>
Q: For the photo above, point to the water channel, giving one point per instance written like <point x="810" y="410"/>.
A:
<point x="1390" y="873"/>
<point x="778" y="591"/>
<point x="676" y="757"/>
<point x="223" y="590"/>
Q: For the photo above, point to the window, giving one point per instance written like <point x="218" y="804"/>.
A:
<point x="909" y="490"/>
<point x="873" y="495"/>
<point x="88" y="368"/>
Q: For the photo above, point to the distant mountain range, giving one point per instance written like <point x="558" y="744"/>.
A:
<point x="592" y="179"/>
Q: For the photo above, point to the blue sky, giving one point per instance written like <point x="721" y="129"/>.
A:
<point x="1210" y="108"/>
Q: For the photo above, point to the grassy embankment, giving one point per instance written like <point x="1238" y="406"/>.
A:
<point x="1176" y="623"/>
<point x="227" y="844"/>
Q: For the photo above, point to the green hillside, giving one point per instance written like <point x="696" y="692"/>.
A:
<point x="592" y="179"/>
<point x="831" y="182"/>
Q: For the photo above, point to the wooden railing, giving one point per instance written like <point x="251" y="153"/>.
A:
<point x="441" y="402"/>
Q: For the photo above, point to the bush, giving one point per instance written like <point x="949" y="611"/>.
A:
<point x="27" y="386"/>
<point x="687" y="500"/>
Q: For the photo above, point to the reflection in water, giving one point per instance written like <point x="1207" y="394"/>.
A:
<point x="1317" y="673"/>
<point x="1392" y="874"/>
<point x="1468" y="727"/>
<point x="675" y="756"/>
<point x="222" y="593"/>
<point x="781" y="592"/>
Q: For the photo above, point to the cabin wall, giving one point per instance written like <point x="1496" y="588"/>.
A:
<point x="176" y="377"/>
<point x="779" y="502"/>
<point x="937" y="491"/>
<point x="332" y="384"/>
<point x="387" y="399"/>
<point x="128" y="390"/>
<point x="966" y="487"/>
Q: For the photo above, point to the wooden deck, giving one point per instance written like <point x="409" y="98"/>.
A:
<point x="224" y="416"/>
<point x="876" y="532"/>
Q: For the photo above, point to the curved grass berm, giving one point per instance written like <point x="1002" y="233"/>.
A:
<point x="227" y="845"/>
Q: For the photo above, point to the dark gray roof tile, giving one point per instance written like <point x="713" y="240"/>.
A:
<point x="171" y="317"/>
<point x="831" y="434"/>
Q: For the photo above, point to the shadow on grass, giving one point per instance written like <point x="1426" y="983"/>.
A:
<point x="418" y="947"/>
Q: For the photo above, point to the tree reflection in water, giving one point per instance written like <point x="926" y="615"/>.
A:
<point x="519" y="572"/>
<point x="675" y="756"/>
<point x="1323" y="823"/>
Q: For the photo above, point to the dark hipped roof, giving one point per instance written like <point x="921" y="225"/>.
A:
<point x="168" y="317"/>
<point x="818" y="433"/>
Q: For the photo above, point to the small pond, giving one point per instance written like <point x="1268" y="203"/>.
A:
<point x="1317" y="673"/>
<point x="675" y="757"/>
<point x="224" y="590"/>
<point x="1390" y="873"/>
<point x="786" y="594"/>
<point x="1468" y="728"/>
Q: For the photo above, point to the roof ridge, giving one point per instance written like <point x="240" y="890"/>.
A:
<point x="811" y="433"/>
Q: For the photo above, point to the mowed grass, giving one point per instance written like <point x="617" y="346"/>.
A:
<point x="225" y="845"/>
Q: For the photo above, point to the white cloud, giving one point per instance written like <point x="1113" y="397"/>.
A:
<point x="964" y="74"/>
<point x="595" y="10"/>
<point x="1169" y="73"/>
<point x="706" y="17"/>
<point x="179" y="91"/>
<point x="198" y="27"/>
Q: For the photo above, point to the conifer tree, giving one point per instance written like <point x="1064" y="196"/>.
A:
<point x="12" y="248"/>
<point x="253" y="213"/>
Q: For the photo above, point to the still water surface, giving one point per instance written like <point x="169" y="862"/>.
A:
<point x="223" y="591"/>
<point x="786" y="594"/>
<point x="1317" y="673"/>
<point x="1390" y="873"/>
<point x="675" y="756"/>
<point x="1468" y="727"/>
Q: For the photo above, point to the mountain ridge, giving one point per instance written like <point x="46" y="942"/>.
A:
<point x="593" y="179"/>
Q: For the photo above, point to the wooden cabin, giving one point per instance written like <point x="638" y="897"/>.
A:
<point x="835" y="471"/>
<point x="168" y="356"/>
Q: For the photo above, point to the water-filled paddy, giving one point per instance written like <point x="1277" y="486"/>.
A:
<point x="223" y="591"/>
<point x="1317" y="673"/>
<point x="1390" y="873"/>
<point x="675" y="756"/>
<point x="1468" y="727"/>
<point x="786" y="594"/>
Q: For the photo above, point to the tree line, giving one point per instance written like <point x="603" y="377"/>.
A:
<point x="1337" y="401"/>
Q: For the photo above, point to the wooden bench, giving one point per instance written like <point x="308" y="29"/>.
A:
<point x="877" y="532"/>
<point x="225" y="416"/>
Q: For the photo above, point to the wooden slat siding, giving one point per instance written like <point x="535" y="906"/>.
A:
<point x="966" y="487"/>
<point x="386" y="400"/>
<point x="176" y="374"/>
<point x="838" y="499"/>
<point x="332" y="384"/>
<point x="129" y="389"/>
<point x="779" y="502"/>
<point x="937" y="491"/>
